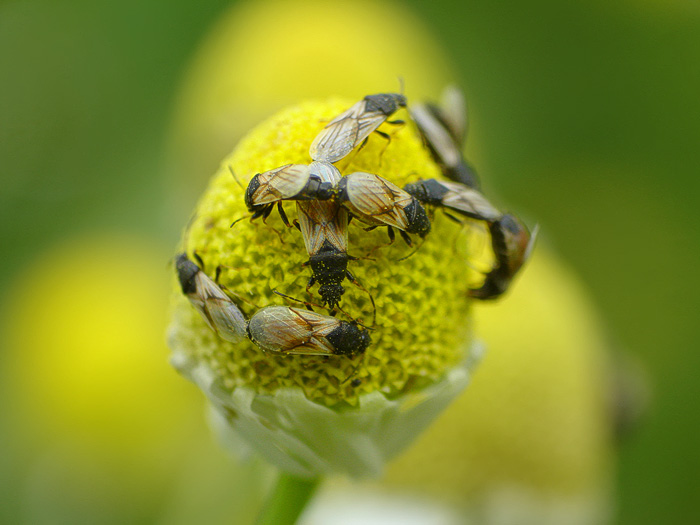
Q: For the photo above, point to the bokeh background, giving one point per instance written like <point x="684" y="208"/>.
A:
<point x="584" y="114"/>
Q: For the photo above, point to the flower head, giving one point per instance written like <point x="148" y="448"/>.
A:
<point x="421" y="336"/>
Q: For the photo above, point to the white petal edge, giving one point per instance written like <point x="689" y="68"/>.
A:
<point x="307" y="439"/>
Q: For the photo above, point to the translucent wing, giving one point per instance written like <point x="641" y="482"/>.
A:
<point x="376" y="200"/>
<point x="281" y="183"/>
<point x="437" y="137"/>
<point x="289" y="330"/>
<point x="469" y="202"/>
<point x="454" y="113"/>
<point x="320" y="221"/>
<point x="218" y="310"/>
<point x="345" y="132"/>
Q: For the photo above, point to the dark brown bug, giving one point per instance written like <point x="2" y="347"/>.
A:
<point x="216" y="308"/>
<point x="378" y="202"/>
<point x="443" y="130"/>
<point x="352" y="127"/>
<point x="290" y="182"/>
<point x="454" y="196"/>
<point x="512" y="245"/>
<point x="510" y="240"/>
<point x="287" y="330"/>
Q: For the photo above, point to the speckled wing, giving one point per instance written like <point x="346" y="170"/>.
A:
<point x="322" y="221"/>
<point x="375" y="200"/>
<point x="281" y="183"/>
<point x="469" y="202"/>
<point x="345" y="132"/>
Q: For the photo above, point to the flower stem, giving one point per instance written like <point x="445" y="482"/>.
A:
<point x="287" y="500"/>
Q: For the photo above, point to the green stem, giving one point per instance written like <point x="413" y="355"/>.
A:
<point x="287" y="500"/>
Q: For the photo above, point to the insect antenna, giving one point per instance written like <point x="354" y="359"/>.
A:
<point x="266" y="224"/>
<point x="230" y="168"/>
<point x="354" y="370"/>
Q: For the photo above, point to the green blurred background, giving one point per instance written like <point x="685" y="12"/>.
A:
<point x="585" y="115"/>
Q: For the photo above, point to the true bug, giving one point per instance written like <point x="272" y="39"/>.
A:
<point x="287" y="330"/>
<point x="512" y="245"/>
<point x="349" y="129"/>
<point x="324" y="226"/>
<point x="289" y="182"/>
<point x="444" y="130"/>
<point x="216" y="308"/>
<point x="454" y="196"/>
<point x="378" y="202"/>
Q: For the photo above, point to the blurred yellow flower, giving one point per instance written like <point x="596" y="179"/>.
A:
<point x="265" y="55"/>
<point x="87" y="381"/>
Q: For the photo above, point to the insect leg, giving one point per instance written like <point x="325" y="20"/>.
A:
<point x="453" y="218"/>
<point x="392" y="235"/>
<point x="200" y="262"/>
<point x="285" y="220"/>
<point x="350" y="277"/>
<point x="405" y="237"/>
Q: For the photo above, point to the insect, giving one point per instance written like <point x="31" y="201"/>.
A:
<point x="216" y="308"/>
<point x="349" y="129"/>
<point x="378" y="202"/>
<point x="512" y="245"/>
<point x="454" y="196"/>
<point x="289" y="182"/>
<point x="287" y="330"/>
<point x="324" y="226"/>
<point x="443" y="131"/>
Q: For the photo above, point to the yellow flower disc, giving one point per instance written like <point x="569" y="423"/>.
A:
<point x="422" y="324"/>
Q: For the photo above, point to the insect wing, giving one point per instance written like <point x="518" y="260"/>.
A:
<point x="454" y="113"/>
<point x="325" y="171"/>
<point x="469" y="202"/>
<point x="376" y="200"/>
<point x="436" y="135"/>
<point x="219" y="311"/>
<point x="320" y="221"/>
<point x="339" y="136"/>
<point x="345" y="132"/>
<point x="281" y="183"/>
<point x="289" y="330"/>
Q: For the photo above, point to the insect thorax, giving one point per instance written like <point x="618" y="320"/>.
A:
<point x="386" y="103"/>
<point x="418" y="221"/>
<point x="427" y="191"/>
<point x="348" y="339"/>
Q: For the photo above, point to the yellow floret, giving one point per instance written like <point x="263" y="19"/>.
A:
<point x="422" y="310"/>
